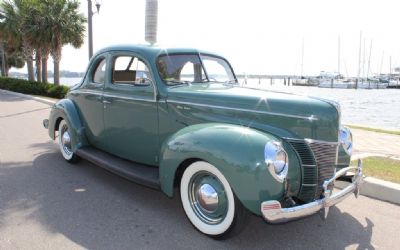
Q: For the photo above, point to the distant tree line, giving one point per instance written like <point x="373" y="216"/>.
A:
<point x="33" y="30"/>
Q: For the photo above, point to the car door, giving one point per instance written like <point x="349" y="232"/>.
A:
<point x="130" y="110"/>
<point x="89" y="100"/>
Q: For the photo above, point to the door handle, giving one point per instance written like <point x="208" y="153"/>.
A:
<point x="106" y="102"/>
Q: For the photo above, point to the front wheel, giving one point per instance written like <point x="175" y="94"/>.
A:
<point x="65" y="142"/>
<point x="209" y="202"/>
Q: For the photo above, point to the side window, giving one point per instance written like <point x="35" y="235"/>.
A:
<point x="130" y="70"/>
<point x="187" y="72"/>
<point x="100" y="72"/>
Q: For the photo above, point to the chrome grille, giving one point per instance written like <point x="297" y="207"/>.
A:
<point x="317" y="163"/>
<point x="309" y="170"/>
<point x="325" y="154"/>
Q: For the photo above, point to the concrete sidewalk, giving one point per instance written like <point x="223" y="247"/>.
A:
<point x="368" y="143"/>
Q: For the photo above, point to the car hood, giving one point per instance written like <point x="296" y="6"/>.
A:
<point x="284" y="114"/>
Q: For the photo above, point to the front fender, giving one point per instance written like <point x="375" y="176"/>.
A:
<point x="65" y="109"/>
<point x="237" y="151"/>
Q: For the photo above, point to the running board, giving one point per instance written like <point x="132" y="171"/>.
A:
<point x="136" y="172"/>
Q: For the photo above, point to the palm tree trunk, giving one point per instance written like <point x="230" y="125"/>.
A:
<point x="6" y="67"/>
<point x="31" y="76"/>
<point x="38" y="66"/>
<point x="56" y="54"/>
<point x="44" y="68"/>
<point x="28" y="51"/>
<point x="3" y="60"/>
<point x="56" y="72"/>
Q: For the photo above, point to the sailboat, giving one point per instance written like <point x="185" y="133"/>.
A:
<point x="366" y="82"/>
<point x="335" y="79"/>
<point x="303" y="81"/>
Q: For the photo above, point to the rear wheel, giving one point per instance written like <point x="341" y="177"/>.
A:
<point x="209" y="202"/>
<point x="65" y="142"/>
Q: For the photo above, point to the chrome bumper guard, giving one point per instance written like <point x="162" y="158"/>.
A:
<point x="274" y="213"/>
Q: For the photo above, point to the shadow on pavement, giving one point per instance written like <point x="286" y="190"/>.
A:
<point x="22" y="113"/>
<point x="99" y="210"/>
<point x="6" y="97"/>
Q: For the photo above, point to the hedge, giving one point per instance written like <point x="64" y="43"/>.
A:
<point x="33" y="88"/>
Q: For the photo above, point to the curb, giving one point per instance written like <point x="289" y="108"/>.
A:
<point x="39" y="99"/>
<point x="377" y="189"/>
<point x="373" y="187"/>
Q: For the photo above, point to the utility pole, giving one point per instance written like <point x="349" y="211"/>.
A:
<point x="151" y="21"/>
<point x="90" y="25"/>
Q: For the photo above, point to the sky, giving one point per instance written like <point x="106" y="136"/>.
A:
<point x="258" y="37"/>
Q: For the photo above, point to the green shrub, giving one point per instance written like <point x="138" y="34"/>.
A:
<point x="33" y="88"/>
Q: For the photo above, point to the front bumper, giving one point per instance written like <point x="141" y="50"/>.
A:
<point x="274" y="213"/>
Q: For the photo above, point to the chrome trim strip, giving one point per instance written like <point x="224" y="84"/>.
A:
<point x="90" y="91"/>
<point x="129" y="98"/>
<point x="309" y="185"/>
<point x="308" y="140"/>
<point x="114" y="96"/>
<point x="273" y="213"/>
<point x="309" y="118"/>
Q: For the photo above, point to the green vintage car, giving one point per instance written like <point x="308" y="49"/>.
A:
<point x="177" y="118"/>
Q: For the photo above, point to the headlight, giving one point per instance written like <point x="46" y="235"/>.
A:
<point x="346" y="139"/>
<point x="276" y="159"/>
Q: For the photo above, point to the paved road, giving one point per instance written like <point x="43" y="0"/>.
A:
<point x="45" y="203"/>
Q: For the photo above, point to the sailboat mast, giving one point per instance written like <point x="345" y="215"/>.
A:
<point x="369" y="58"/>
<point x="338" y="55"/>
<point x="380" y="69"/>
<point x="302" y="56"/>
<point x="363" y="60"/>
<point x="359" y="58"/>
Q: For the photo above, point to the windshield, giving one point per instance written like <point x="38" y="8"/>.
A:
<point x="194" y="68"/>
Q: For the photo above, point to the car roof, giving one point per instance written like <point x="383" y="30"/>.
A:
<point x="152" y="50"/>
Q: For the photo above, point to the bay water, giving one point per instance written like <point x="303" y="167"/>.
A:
<point x="377" y="108"/>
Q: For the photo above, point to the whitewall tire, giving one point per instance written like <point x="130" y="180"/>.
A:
<point x="209" y="201"/>
<point x="65" y="142"/>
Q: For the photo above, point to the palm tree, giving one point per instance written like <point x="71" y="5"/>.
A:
<point x="65" y="25"/>
<point x="39" y="37"/>
<point x="15" y="15"/>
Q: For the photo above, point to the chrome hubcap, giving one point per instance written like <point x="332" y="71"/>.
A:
<point x="207" y="198"/>
<point x="66" y="140"/>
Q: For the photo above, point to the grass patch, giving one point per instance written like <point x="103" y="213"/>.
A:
<point x="393" y="132"/>
<point x="382" y="168"/>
